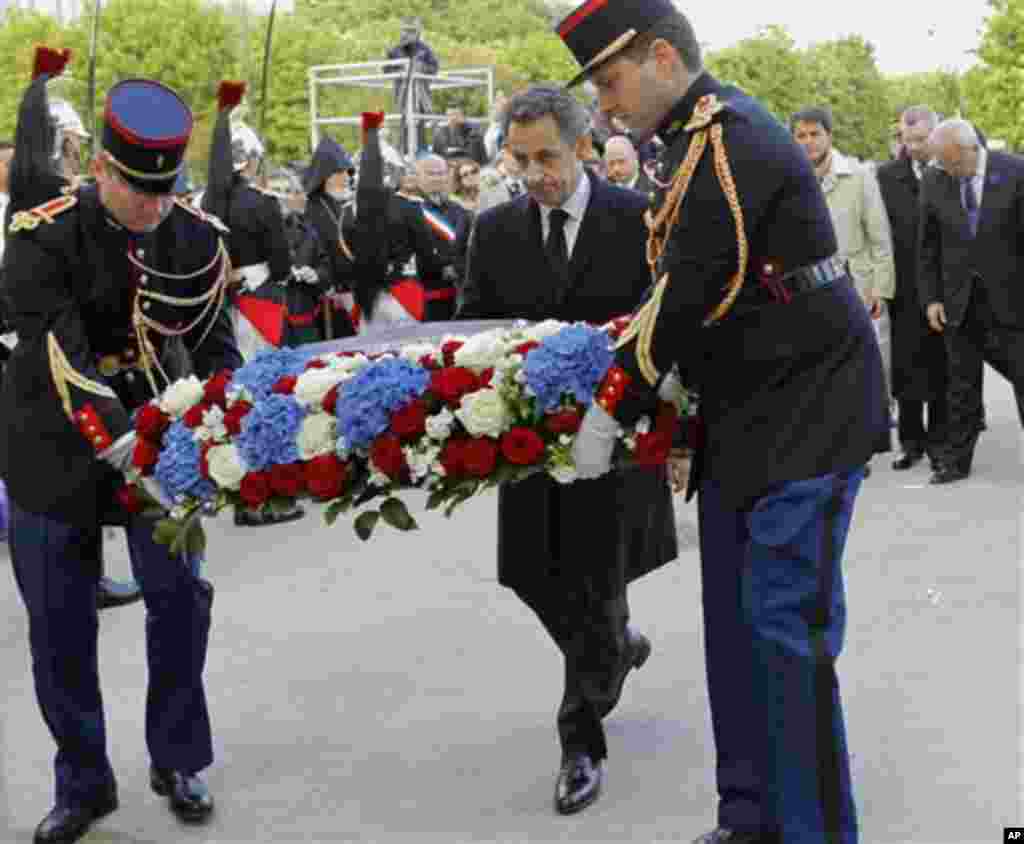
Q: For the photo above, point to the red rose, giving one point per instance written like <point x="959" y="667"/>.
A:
<point x="525" y="348"/>
<point x="316" y="363"/>
<point x="193" y="417"/>
<point x="449" y="349"/>
<point x="330" y="399"/>
<point x="386" y="454"/>
<point x="213" y="390"/>
<point x="428" y="362"/>
<point x="326" y="476"/>
<point x="479" y="456"/>
<point x="563" y="422"/>
<point x="486" y="376"/>
<point x="128" y="496"/>
<point x="285" y="385"/>
<point x="255" y="488"/>
<point x="151" y="422"/>
<point x="452" y="383"/>
<point x="288" y="480"/>
<point x="145" y="455"/>
<point x="452" y="457"/>
<point x="652" y="449"/>
<point x="411" y="420"/>
<point x="522" y="446"/>
<point x="234" y="415"/>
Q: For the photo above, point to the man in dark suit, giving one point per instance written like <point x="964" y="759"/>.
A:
<point x="449" y="225"/>
<point x="573" y="249"/>
<point x="458" y="139"/>
<point x="623" y="166"/>
<point x="972" y="260"/>
<point x="919" y="369"/>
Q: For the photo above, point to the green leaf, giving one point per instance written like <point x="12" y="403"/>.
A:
<point x="165" y="531"/>
<point x="365" y="523"/>
<point x="279" y="504"/>
<point x="334" y="509"/>
<point x="396" y="514"/>
<point x="438" y="497"/>
<point x="195" y="541"/>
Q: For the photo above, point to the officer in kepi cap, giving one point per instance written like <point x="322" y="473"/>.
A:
<point x="113" y="289"/>
<point x="749" y="308"/>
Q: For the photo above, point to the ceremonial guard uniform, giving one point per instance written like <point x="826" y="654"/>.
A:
<point x="36" y="178"/>
<point x="751" y="306"/>
<point x="392" y="246"/>
<point x="114" y="291"/>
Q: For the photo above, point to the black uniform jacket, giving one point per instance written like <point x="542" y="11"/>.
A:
<point x="952" y="261"/>
<point x="918" y="353"/>
<point x="787" y="391"/>
<point x="73" y="379"/>
<point x="613" y="529"/>
<point x="257" y="230"/>
<point x="329" y="218"/>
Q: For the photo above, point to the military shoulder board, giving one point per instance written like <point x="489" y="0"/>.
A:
<point x="205" y="216"/>
<point x="45" y="213"/>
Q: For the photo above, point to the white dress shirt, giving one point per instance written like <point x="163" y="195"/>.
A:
<point x="575" y="206"/>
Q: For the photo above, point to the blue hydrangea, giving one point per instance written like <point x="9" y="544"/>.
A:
<point x="365" y="402"/>
<point x="177" y="469"/>
<point x="572" y="362"/>
<point x="266" y="368"/>
<point x="269" y="432"/>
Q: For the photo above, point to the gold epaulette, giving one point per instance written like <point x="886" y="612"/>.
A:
<point x="45" y="213"/>
<point x="205" y="216"/>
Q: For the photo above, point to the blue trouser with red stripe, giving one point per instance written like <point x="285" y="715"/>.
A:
<point x="774" y="617"/>
<point x="56" y="566"/>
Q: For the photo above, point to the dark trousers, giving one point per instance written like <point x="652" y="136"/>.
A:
<point x="774" y="619"/>
<point x="979" y="339"/>
<point x="590" y="631"/>
<point x="918" y="435"/>
<point x="56" y="566"/>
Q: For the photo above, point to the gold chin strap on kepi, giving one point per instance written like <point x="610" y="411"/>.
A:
<point x="661" y="225"/>
<point x="212" y="300"/>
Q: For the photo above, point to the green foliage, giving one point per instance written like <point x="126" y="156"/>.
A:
<point x="992" y="89"/>
<point x="937" y="89"/>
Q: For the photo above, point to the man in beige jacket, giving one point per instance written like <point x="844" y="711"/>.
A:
<point x="859" y="218"/>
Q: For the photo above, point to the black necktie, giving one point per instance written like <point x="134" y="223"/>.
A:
<point x="557" y="250"/>
<point x="971" y="205"/>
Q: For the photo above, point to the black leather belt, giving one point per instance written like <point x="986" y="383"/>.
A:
<point x="822" y="273"/>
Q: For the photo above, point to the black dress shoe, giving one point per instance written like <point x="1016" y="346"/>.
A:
<point x="948" y="473"/>
<point x="908" y="460"/>
<point x="723" y="835"/>
<point x="116" y="593"/>
<point x="638" y="650"/>
<point x="189" y="798"/>
<point x="65" y="824"/>
<point x="579" y="784"/>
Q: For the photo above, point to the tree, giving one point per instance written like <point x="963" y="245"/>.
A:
<point x="940" y="90"/>
<point x="21" y="31"/>
<point x="992" y="90"/>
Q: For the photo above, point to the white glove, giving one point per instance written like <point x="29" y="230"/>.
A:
<point x="156" y="492"/>
<point x="307" y="275"/>
<point x="595" y="442"/>
<point x="119" y="455"/>
<point x="671" y="390"/>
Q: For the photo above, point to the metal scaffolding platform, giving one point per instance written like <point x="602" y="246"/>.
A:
<point x="372" y="75"/>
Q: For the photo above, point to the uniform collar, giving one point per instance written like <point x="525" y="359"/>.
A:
<point x="674" y="123"/>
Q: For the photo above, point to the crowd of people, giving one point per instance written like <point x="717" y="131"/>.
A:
<point x="765" y="271"/>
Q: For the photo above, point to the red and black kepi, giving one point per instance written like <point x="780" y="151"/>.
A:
<point x="598" y="29"/>
<point x="146" y="128"/>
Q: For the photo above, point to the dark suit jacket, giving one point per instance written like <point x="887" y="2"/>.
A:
<point x="615" y="528"/>
<point x="918" y="353"/>
<point x="952" y="261"/>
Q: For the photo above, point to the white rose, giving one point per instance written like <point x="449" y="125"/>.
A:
<point x="313" y="384"/>
<point x="317" y="436"/>
<point x="420" y="462"/>
<point x="542" y="330"/>
<point x="439" y="426"/>
<point x="643" y="425"/>
<point x="226" y="466"/>
<point x="414" y="352"/>
<point x="483" y="413"/>
<point x="482" y="350"/>
<point x="349" y="363"/>
<point x="213" y="421"/>
<point x="181" y="396"/>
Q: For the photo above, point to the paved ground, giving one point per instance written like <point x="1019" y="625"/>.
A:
<point x="392" y="693"/>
